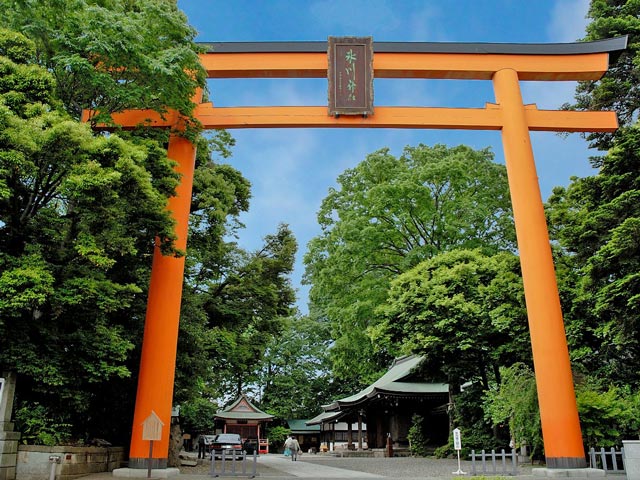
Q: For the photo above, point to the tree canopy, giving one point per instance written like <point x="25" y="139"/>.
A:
<point x="619" y="89"/>
<point x="387" y="216"/>
<point x="596" y="219"/>
<point x="79" y="212"/>
<point x="110" y="55"/>
<point x="463" y="311"/>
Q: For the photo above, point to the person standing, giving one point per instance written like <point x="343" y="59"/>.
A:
<point x="287" y="446"/>
<point x="201" y="447"/>
<point x="294" y="446"/>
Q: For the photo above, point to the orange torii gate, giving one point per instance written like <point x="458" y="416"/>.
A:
<point x="506" y="65"/>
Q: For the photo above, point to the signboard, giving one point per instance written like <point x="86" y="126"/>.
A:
<point x="457" y="441"/>
<point x="457" y="446"/>
<point x="152" y="427"/>
<point x="350" y="75"/>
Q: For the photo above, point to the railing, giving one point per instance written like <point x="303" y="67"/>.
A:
<point x="263" y="445"/>
<point x="229" y="464"/>
<point x="500" y="463"/>
<point x="607" y="460"/>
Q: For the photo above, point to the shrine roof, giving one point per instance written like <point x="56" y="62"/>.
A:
<point x="242" y="409"/>
<point x="325" y="417"/>
<point x="397" y="381"/>
<point x="613" y="46"/>
<point x="301" y="426"/>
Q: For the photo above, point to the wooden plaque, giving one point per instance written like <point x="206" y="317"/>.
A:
<point x="350" y="74"/>
<point x="152" y="427"/>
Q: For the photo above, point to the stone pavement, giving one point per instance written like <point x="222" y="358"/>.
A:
<point x="277" y="467"/>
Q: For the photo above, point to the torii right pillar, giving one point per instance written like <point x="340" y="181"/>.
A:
<point x="556" y="396"/>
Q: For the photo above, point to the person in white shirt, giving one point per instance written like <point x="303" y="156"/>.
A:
<point x="294" y="447"/>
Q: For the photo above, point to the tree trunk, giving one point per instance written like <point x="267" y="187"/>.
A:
<point x="175" y="444"/>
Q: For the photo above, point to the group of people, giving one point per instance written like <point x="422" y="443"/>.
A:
<point x="292" y="448"/>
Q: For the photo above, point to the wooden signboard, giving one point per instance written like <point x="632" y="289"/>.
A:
<point x="350" y="74"/>
<point x="152" y="427"/>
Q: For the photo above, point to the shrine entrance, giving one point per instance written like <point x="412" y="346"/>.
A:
<point x="352" y="63"/>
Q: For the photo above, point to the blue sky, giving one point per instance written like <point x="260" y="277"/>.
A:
<point x="291" y="170"/>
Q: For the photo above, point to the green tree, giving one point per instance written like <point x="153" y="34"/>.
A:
<point x="619" y="89"/>
<point x="110" y="55"/>
<point x="197" y="416"/>
<point x="388" y="215"/>
<point x="464" y="311"/>
<point x="418" y="442"/>
<point x="78" y="214"/>
<point x="107" y="56"/>
<point x="220" y="194"/>
<point x="596" y="220"/>
<point x="515" y="402"/>
<point x="607" y="415"/>
<point x="237" y="302"/>
<point x="296" y="374"/>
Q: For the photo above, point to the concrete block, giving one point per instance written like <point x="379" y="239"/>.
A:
<point x="142" y="473"/>
<point x="7" y="473"/>
<point x="8" y="460"/>
<point x="8" y="448"/>
<point x="632" y="459"/>
<point x="9" y="436"/>
<point x="567" y="472"/>
<point x="586" y="472"/>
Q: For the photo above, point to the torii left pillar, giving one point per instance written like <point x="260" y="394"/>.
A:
<point x="159" y="344"/>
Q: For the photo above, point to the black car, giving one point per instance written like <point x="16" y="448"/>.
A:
<point x="227" y="442"/>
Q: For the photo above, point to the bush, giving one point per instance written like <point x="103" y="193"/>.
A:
<point x="607" y="417"/>
<point x="277" y="435"/>
<point x="39" y="427"/>
<point x="515" y="402"/>
<point x="417" y="440"/>
<point x="445" y="451"/>
<point x="196" y="416"/>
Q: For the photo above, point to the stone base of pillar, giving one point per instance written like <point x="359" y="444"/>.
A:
<point x="8" y="454"/>
<point x="142" y="473"/>
<point x="567" y="472"/>
<point x="566" y="462"/>
<point x="143" y="463"/>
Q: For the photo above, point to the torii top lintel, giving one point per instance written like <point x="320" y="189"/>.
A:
<point x="419" y="60"/>
<point x="472" y="61"/>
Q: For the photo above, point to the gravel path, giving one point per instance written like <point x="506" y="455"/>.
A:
<point x="397" y="467"/>
<point x="403" y="467"/>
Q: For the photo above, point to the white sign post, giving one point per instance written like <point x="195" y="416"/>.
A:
<point x="457" y="445"/>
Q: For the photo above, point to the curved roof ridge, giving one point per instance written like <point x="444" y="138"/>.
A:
<point x="391" y="381"/>
<point x="249" y="412"/>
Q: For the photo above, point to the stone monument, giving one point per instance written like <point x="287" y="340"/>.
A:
<point x="632" y="459"/>
<point x="8" y="438"/>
